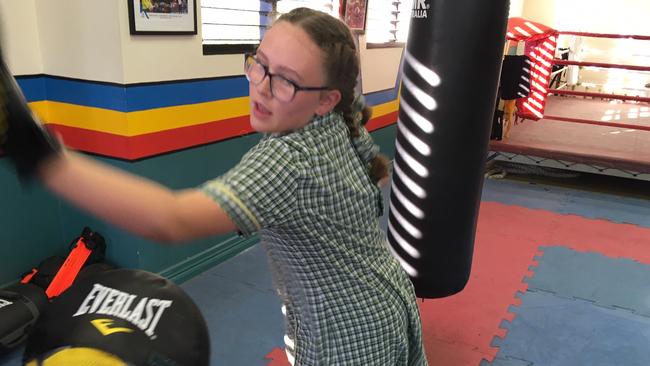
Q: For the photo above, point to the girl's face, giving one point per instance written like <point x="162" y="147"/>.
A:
<point x="287" y="51"/>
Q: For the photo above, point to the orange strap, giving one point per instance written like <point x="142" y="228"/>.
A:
<point x="69" y="270"/>
<point x="28" y="277"/>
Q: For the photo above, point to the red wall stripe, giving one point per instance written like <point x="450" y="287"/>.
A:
<point x="141" y="146"/>
<point x="382" y="121"/>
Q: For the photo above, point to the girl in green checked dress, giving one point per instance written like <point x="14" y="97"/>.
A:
<point x="309" y="187"/>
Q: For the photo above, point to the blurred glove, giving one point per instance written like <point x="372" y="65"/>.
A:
<point x="23" y="138"/>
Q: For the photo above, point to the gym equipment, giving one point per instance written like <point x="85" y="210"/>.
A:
<point x="20" y="306"/>
<point x="56" y="274"/>
<point x="449" y="84"/>
<point x="589" y="107"/>
<point x="131" y="317"/>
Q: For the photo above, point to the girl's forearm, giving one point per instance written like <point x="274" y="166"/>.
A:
<point x="137" y="205"/>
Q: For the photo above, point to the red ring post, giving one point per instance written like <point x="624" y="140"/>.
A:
<point x="607" y="35"/>
<point x="601" y="64"/>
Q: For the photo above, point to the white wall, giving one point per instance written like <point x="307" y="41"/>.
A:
<point x="379" y="66"/>
<point x="516" y="8"/>
<point x="598" y="16"/>
<point x="21" y="45"/>
<point x="80" y="38"/>
<point x="155" y="58"/>
<point x="90" y="40"/>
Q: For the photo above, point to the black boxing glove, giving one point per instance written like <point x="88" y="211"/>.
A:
<point x="23" y="137"/>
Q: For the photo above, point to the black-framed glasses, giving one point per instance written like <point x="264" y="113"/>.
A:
<point x="281" y="88"/>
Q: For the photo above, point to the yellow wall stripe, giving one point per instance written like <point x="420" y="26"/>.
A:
<point x="154" y="120"/>
<point x="160" y="119"/>
<point x="384" y="108"/>
<point x="140" y="122"/>
<point x="89" y="118"/>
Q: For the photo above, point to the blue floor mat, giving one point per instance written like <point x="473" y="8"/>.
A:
<point x="242" y="309"/>
<point x="610" y="282"/>
<point x="580" y="309"/>
<point x="553" y="331"/>
<point x="506" y="361"/>
<point x="615" y="208"/>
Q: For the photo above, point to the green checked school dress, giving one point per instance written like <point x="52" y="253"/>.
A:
<point x="345" y="298"/>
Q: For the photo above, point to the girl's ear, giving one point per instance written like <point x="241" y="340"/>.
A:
<point x="328" y="100"/>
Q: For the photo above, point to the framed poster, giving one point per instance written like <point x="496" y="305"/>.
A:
<point x="354" y="14"/>
<point x="162" y="16"/>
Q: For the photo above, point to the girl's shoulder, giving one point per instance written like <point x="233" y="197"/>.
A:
<point x="324" y="136"/>
<point x="274" y="150"/>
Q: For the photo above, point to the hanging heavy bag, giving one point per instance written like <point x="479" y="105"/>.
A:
<point x="20" y="307"/>
<point x="449" y="85"/>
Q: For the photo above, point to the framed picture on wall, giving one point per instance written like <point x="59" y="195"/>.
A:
<point x="354" y="14"/>
<point x="162" y="16"/>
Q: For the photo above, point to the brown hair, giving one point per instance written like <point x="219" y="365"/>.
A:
<point x="342" y="66"/>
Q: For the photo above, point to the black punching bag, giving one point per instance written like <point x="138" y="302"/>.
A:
<point x="450" y="74"/>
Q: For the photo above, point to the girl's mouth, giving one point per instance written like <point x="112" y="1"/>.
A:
<point x="260" y="111"/>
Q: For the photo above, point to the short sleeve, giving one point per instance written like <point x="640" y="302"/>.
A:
<point x="259" y="191"/>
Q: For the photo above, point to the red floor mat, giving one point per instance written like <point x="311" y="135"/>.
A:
<point x="459" y="329"/>
<point x="506" y="244"/>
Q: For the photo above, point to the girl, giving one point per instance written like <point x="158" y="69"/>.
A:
<point x="309" y="187"/>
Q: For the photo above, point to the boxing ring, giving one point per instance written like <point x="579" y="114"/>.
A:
<point x="581" y="126"/>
